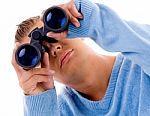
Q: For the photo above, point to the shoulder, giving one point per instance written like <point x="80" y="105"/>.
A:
<point x="124" y="64"/>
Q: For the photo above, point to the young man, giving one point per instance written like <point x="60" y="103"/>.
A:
<point x="96" y="85"/>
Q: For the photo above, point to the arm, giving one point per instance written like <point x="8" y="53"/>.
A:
<point x="112" y="33"/>
<point x="38" y="86"/>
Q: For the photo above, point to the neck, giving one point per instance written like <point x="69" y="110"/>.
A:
<point x="94" y="84"/>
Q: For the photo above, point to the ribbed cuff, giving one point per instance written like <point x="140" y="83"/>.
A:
<point x="41" y="104"/>
<point x="85" y="7"/>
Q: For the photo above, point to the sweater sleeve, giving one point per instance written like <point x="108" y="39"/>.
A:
<point x="112" y="33"/>
<point x="44" y="104"/>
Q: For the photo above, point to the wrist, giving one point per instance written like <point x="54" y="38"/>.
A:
<point x="42" y="102"/>
<point x="38" y="90"/>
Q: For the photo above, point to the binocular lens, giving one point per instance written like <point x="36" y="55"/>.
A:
<point x="28" y="56"/>
<point x="55" y="19"/>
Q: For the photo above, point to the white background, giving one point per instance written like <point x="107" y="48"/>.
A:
<point x="13" y="12"/>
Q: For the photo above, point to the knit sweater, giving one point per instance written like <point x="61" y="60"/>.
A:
<point x="128" y="91"/>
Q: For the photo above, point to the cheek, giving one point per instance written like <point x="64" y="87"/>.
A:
<point x="71" y="72"/>
<point x="73" y="67"/>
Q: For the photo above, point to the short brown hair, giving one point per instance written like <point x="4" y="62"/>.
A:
<point x="24" y="27"/>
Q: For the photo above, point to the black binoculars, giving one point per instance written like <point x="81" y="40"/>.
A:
<point x="29" y="55"/>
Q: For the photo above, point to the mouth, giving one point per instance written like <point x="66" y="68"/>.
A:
<point x="65" y="57"/>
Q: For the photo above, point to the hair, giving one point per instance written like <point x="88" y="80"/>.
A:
<point x="24" y="28"/>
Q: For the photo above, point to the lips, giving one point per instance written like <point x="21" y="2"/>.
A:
<point x="65" y="57"/>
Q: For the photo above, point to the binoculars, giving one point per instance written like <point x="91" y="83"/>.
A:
<point x="29" y="55"/>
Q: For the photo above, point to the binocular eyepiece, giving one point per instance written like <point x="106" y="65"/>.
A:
<point x="29" y="55"/>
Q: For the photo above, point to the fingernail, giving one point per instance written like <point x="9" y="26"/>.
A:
<point x="77" y="24"/>
<point x="80" y="16"/>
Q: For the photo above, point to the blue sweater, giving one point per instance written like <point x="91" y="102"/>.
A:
<point x="128" y="92"/>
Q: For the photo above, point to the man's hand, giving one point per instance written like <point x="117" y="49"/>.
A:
<point x="73" y="14"/>
<point x="36" y="80"/>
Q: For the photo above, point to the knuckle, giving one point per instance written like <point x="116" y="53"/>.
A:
<point x="32" y="71"/>
<point x="46" y="71"/>
<point x="35" y="79"/>
<point x="71" y="18"/>
<point x="47" y="78"/>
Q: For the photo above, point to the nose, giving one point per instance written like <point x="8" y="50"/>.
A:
<point x="55" y="49"/>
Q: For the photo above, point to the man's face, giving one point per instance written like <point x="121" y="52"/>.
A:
<point x="68" y="58"/>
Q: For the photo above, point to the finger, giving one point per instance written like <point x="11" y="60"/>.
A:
<point x="49" y="84"/>
<point x="73" y="19"/>
<point x="41" y="71"/>
<point x="45" y="61"/>
<point x="57" y="36"/>
<point x="26" y="75"/>
<point x="32" y="83"/>
<point x="13" y="61"/>
<point x="73" y="10"/>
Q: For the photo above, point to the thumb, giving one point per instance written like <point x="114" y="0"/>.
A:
<point x="45" y="64"/>
<point x="45" y="61"/>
